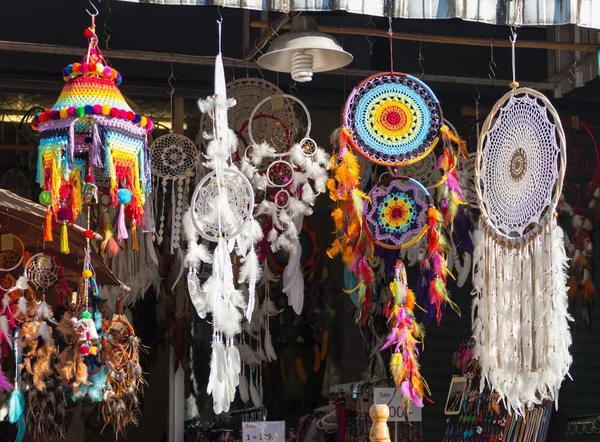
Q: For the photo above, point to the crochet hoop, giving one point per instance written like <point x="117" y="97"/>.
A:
<point x="240" y="200"/>
<point x="173" y="156"/>
<point x="395" y="119"/>
<point x="397" y="216"/>
<point x="290" y="130"/>
<point x="584" y="158"/>
<point x="520" y="165"/>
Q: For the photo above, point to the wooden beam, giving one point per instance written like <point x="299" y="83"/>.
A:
<point x="447" y="39"/>
<point x="24" y="147"/>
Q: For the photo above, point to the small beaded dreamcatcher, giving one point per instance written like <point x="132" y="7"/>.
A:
<point x="519" y="264"/>
<point x="173" y="158"/>
<point x="43" y="271"/>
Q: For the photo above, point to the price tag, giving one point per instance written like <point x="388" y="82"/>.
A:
<point x="7" y="241"/>
<point x="386" y="396"/>
<point x="263" y="431"/>
<point x="277" y="102"/>
<point x="44" y="262"/>
<point x="479" y="430"/>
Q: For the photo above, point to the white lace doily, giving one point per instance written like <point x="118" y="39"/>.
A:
<point x="520" y="163"/>
<point x="173" y="156"/>
<point x="210" y="217"/>
<point x="248" y="92"/>
<point x="423" y="171"/>
<point x="43" y="271"/>
<point x="466" y="175"/>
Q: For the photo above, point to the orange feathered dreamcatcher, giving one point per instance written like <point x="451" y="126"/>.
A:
<point x="395" y="120"/>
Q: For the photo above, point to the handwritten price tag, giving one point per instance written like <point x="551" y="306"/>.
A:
<point x="386" y="396"/>
<point x="263" y="431"/>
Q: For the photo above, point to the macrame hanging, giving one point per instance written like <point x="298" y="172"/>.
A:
<point x="173" y="158"/>
<point x="221" y="212"/>
<point x="519" y="266"/>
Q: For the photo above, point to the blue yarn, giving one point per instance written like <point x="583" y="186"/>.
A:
<point x="124" y="196"/>
<point x="363" y="119"/>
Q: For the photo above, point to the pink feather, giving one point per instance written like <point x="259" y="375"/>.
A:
<point x="5" y="384"/>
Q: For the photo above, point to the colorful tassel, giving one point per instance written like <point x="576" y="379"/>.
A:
<point x="134" y="240"/>
<point x="48" y="226"/>
<point x="121" y="227"/>
<point x="64" y="239"/>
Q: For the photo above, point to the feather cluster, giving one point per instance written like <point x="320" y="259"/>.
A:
<point x="403" y="339"/>
<point x="520" y="318"/>
<point x="351" y="242"/>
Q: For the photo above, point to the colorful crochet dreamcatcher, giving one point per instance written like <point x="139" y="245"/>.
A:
<point x="287" y="180"/>
<point x="221" y="212"/>
<point x="92" y="127"/>
<point x="519" y="265"/>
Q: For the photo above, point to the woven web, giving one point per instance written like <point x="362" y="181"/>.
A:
<point x="395" y="119"/>
<point x="466" y="176"/>
<point x="397" y="214"/>
<point x="240" y="200"/>
<point x="248" y="92"/>
<point x="11" y="256"/>
<point x="519" y="166"/>
<point x="43" y="271"/>
<point x="281" y="134"/>
<point x="173" y="156"/>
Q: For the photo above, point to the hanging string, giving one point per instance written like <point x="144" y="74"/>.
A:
<point x="171" y="93"/>
<point x="219" y="23"/>
<point x="513" y="43"/>
<point x="391" y="34"/>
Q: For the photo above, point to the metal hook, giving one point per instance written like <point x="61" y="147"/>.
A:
<point x="220" y="16"/>
<point x="95" y="9"/>
<point x="293" y="89"/>
<point x="513" y="34"/>
<point x="492" y="64"/>
<point x="170" y="80"/>
<point x="421" y="60"/>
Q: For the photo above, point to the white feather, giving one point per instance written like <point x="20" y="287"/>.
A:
<point x="321" y="158"/>
<point x="243" y="389"/>
<point x="260" y="152"/>
<point x="206" y="105"/>
<point x="269" y="350"/>
<point x="298" y="157"/>
<point x="22" y="305"/>
<point x="297" y="207"/>
<point x="254" y="395"/>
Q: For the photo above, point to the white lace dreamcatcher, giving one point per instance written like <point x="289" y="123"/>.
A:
<point x="174" y="159"/>
<point x="519" y="264"/>
<point x="221" y="212"/>
<point x="288" y="180"/>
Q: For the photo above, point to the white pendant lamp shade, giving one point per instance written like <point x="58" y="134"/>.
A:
<point x="304" y="50"/>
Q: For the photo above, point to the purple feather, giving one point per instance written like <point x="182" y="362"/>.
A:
<point x="5" y="384"/>
<point x="462" y="239"/>
<point x="454" y="185"/>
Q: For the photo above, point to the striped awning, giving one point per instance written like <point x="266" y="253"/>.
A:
<point x="585" y="13"/>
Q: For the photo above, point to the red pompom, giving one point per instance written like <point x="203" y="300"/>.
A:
<point x="87" y="33"/>
<point x="42" y="117"/>
<point x="76" y="67"/>
<point x="88" y="234"/>
<point x="123" y="114"/>
<point x="129" y="212"/>
<point x="92" y="66"/>
<point x="89" y="178"/>
<point x="130" y="116"/>
<point x="114" y="112"/>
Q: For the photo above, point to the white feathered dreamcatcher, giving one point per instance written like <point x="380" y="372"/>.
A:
<point x="519" y="265"/>
<point x="174" y="159"/>
<point x="221" y="212"/>
<point x="287" y="183"/>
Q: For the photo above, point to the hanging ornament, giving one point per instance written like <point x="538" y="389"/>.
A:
<point x="404" y="337"/>
<point x="519" y="265"/>
<point x="174" y="158"/>
<point x="91" y="127"/>
<point x="11" y="252"/>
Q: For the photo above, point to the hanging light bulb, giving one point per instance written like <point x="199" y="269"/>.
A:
<point x="304" y="50"/>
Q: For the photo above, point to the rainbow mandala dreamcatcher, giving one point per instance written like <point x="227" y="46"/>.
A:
<point x="174" y="158"/>
<point x="287" y="174"/>
<point x="519" y="265"/>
